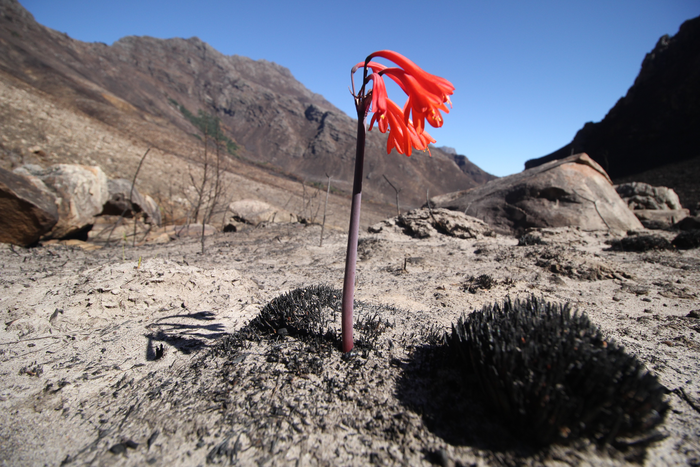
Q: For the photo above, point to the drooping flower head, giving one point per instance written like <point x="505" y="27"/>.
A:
<point x="427" y="96"/>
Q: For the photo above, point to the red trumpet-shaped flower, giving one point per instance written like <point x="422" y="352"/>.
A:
<point x="427" y="96"/>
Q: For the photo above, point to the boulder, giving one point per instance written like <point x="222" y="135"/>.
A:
<point x="153" y="215"/>
<point x="660" y="218"/>
<point x="639" y="195"/>
<point x="570" y="192"/>
<point x="119" y="203"/>
<point x="424" y="222"/>
<point x="26" y="212"/>
<point x="656" y="207"/>
<point x="80" y="191"/>
<point x="254" y="212"/>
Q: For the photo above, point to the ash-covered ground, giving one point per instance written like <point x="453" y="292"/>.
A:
<point x="151" y="354"/>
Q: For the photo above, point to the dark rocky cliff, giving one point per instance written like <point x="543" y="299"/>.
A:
<point x="657" y="122"/>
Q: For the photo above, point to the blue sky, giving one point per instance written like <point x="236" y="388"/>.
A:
<point x="528" y="75"/>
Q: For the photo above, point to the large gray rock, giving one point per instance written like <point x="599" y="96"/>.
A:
<point x="26" y="212"/>
<point x="656" y="207"/>
<point x="571" y="192"/>
<point x="119" y="203"/>
<point x="640" y="195"/>
<point x="254" y="212"/>
<point x="153" y="215"/>
<point x="80" y="191"/>
<point x="424" y="222"/>
<point x="660" y="218"/>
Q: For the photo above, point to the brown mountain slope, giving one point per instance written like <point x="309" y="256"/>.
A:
<point x="276" y="121"/>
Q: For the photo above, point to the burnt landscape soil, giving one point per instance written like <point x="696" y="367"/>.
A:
<point x="157" y="354"/>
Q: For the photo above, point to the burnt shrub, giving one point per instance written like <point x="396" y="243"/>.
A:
<point x="687" y="240"/>
<point x="641" y="243"/>
<point x="552" y="375"/>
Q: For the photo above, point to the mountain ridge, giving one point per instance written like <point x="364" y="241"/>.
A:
<point x="276" y="121"/>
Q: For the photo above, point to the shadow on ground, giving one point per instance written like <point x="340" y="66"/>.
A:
<point x="451" y="403"/>
<point x="186" y="332"/>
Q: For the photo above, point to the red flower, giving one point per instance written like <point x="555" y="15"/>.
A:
<point x="427" y="95"/>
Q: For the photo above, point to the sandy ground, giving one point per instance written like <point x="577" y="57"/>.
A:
<point x="125" y="355"/>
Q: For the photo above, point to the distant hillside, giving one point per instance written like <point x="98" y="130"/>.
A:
<point x="275" y="121"/>
<point x="658" y="122"/>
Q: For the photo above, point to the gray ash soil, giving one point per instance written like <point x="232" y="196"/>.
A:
<point x="149" y="355"/>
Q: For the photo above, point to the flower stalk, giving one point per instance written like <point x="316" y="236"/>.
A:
<point x="354" y="231"/>
<point x="427" y="95"/>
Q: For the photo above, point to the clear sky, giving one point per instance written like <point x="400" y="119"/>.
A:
<point x="528" y="74"/>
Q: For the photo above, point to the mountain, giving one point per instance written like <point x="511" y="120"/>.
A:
<point x="139" y="85"/>
<point x="657" y="124"/>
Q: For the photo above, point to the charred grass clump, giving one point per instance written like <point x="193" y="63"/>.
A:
<point x="302" y="313"/>
<point x="687" y="240"/>
<point x="309" y="315"/>
<point x="641" y="243"/>
<point x="553" y="376"/>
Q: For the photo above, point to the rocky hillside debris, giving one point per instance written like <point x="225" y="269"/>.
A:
<point x="560" y="260"/>
<point x="255" y="212"/>
<point x="656" y="207"/>
<point x="574" y="192"/>
<point x="123" y="201"/>
<point x="660" y="219"/>
<point x="80" y="191"/>
<point x="26" y="212"/>
<point x="81" y="196"/>
<point x="554" y="376"/>
<point x="190" y="230"/>
<point x="425" y="222"/>
<point x="639" y="195"/>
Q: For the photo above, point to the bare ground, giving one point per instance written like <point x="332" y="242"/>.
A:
<point x="133" y="356"/>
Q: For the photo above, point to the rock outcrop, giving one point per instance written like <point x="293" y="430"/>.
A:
<point x="572" y="192"/>
<point x="426" y="222"/>
<point x="255" y="212"/>
<point x="657" y="207"/>
<point x="26" y="212"/>
<point x="123" y="201"/>
<point x="80" y="192"/>
<point x="639" y="195"/>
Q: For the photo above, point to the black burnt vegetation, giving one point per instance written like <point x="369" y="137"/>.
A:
<point x="301" y="328"/>
<point x="687" y="240"/>
<point x="530" y="239"/>
<point x="310" y="315"/>
<point x="640" y="243"/>
<point x="303" y="313"/>
<point x="553" y="377"/>
<point x="475" y="283"/>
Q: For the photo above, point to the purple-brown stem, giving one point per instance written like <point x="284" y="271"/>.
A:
<point x="354" y="229"/>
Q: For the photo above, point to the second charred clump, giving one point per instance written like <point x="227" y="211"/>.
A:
<point x="310" y="314"/>
<point x="301" y="312"/>
<point x="552" y="374"/>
